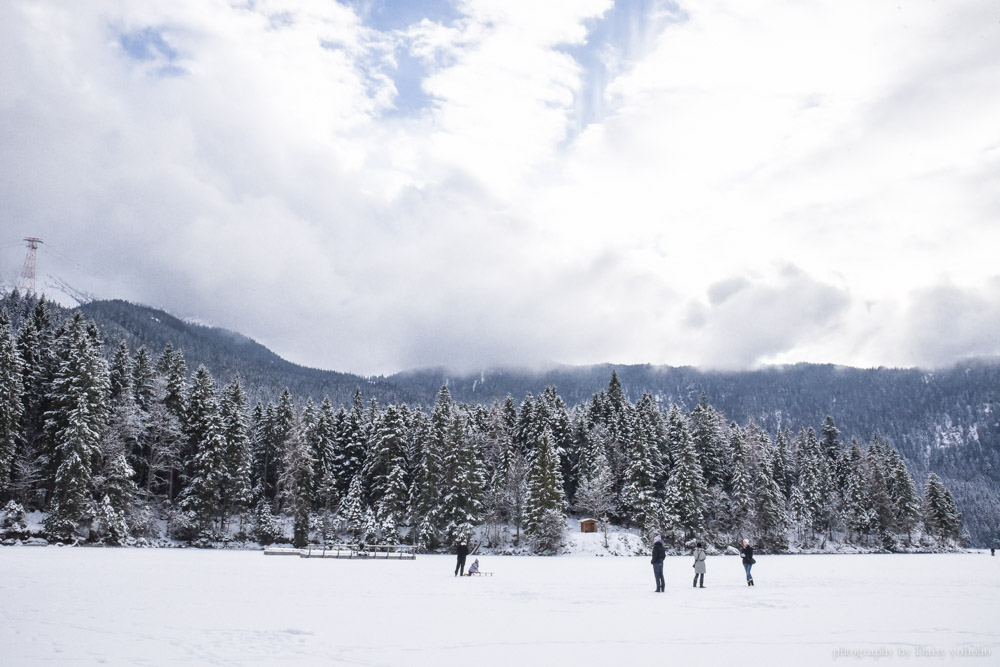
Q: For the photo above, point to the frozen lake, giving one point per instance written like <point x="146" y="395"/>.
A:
<point x="153" y="607"/>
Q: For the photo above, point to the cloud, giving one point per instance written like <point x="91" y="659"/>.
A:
<point x="371" y="186"/>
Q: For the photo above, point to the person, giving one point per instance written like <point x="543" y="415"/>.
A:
<point x="461" y="550"/>
<point x="748" y="561"/>
<point x="474" y="568"/>
<point x="658" y="556"/>
<point x="993" y="551"/>
<point x="699" y="564"/>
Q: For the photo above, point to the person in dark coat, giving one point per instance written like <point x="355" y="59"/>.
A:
<point x="462" y="550"/>
<point x="748" y="560"/>
<point x="658" y="556"/>
<point x="699" y="564"/>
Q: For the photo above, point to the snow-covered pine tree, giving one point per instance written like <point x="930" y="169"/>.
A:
<point x="545" y="507"/>
<point x="205" y="478"/>
<point x="857" y="513"/>
<point x="322" y="442"/>
<point x="351" y="441"/>
<point x="878" y="496"/>
<point x="352" y="510"/>
<point x="387" y="526"/>
<point x="772" y="520"/>
<point x="940" y="513"/>
<point x="427" y="493"/>
<point x="34" y="346"/>
<point x="77" y="452"/>
<point x="143" y="378"/>
<point x="297" y="482"/>
<point x="687" y="491"/>
<point x="815" y="481"/>
<point x="387" y="454"/>
<point x="783" y="464"/>
<point x="741" y="488"/>
<point x="639" y="498"/>
<point x="463" y="481"/>
<point x="236" y="491"/>
<point x="171" y="365"/>
<point x="11" y="402"/>
<point x="121" y="371"/>
<point x="266" y="528"/>
<point x="711" y="443"/>
<point x="76" y="416"/>
<point x="369" y="528"/>
<point x="117" y="491"/>
<point x="906" y="502"/>
<point x="831" y="445"/>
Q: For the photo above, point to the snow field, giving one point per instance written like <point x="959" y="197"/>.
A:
<point x="173" y="606"/>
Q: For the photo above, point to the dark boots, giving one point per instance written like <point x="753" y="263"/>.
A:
<point x="696" y="584"/>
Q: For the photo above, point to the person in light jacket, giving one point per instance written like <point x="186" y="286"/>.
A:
<point x="659" y="554"/>
<point x="699" y="564"/>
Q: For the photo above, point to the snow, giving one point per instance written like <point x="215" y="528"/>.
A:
<point x="168" y="606"/>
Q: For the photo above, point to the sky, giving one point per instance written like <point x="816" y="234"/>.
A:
<point x="378" y="185"/>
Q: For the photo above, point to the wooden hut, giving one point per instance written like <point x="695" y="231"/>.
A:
<point x="588" y="525"/>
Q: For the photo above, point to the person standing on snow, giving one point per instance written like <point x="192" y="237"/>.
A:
<point x="699" y="564"/>
<point x="461" y="550"/>
<point x="748" y="560"/>
<point x="658" y="556"/>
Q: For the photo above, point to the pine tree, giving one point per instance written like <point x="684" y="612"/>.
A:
<point x="463" y="481"/>
<point x="236" y="492"/>
<point x="639" y="498"/>
<point x="352" y="511"/>
<point x="686" y="487"/>
<point x="117" y="491"/>
<point x="741" y="482"/>
<point x="121" y="372"/>
<point x="297" y="482"/>
<point x="545" y="508"/>
<point x="940" y="512"/>
<point x="858" y="514"/>
<point x="266" y="529"/>
<point x="816" y="481"/>
<point x="77" y="453"/>
<point x="11" y="402"/>
<point x="143" y="378"/>
<point x="76" y="417"/>
<point x="906" y="503"/>
<point x="206" y="452"/>
<point x="710" y="442"/>
<point x="350" y="447"/>
<point x="386" y="461"/>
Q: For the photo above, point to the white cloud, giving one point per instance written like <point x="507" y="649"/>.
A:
<point x="246" y="170"/>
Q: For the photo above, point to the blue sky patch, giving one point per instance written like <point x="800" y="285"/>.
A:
<point x="147" y="44"/>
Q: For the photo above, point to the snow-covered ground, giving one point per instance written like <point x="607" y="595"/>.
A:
<point x="186" y="606"/>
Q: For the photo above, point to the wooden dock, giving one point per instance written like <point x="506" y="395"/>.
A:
<point x="368" y="551"/>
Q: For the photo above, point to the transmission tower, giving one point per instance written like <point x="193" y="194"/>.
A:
<point x="27" y="281"/>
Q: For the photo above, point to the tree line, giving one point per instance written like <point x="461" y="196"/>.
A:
<point x="108" y="445"/>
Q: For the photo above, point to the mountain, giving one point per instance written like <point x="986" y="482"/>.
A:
<point x="946" y="420"/>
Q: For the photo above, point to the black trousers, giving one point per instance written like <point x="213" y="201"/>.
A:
<point x="460" y="565"/>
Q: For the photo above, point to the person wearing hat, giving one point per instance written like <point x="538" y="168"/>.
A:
<point x="658" y="556"/>
<point x="699" y="564"/>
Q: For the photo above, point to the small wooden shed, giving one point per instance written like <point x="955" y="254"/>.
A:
<point x="588" y="525"/>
